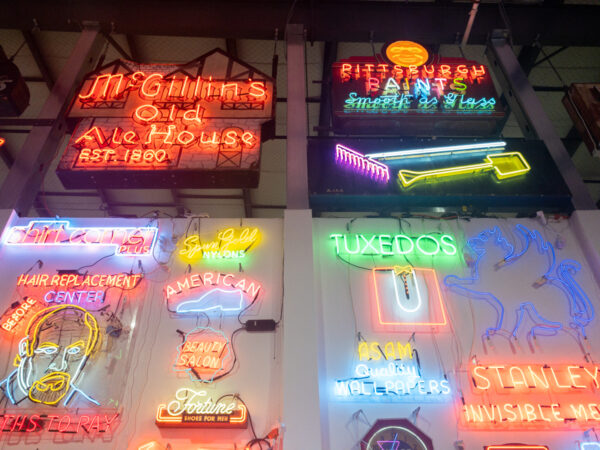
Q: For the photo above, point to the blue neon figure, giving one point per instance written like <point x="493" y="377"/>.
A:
<point x="558" y="275"/>
<point x="215" y="299"/>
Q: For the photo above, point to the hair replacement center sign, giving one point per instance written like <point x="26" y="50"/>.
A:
<point x="195" y="125"/>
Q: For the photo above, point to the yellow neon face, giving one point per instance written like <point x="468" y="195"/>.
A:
<point x="504" y="165"/>
<point x="59" y="341"/>
<point x="406" y="53"/>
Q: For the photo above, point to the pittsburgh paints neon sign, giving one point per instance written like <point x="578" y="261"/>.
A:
<point x="385" y="88"/>
<point x="191" y="408"/>
<point x="573" y="388"/>
<point x="210" y="291"/>
<point x="125" y="240"/>
<point x="230" y="243"/>
<point x="203" y="354"/>
<point x="394" y="244"/>
<point x="382" y="373"/>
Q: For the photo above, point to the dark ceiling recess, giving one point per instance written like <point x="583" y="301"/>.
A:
<point x="427" y="23"/>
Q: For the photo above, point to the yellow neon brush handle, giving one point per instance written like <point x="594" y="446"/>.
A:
<point x="504" y="165"/>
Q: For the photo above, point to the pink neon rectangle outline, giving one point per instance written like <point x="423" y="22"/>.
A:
<point x="423" y="324"/>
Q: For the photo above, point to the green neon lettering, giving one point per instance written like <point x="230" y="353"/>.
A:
<point x="425" y="252"/>
<point x="357" y="238"/>
<point x="447" y="240"/>
<point x="398" y="245"/>
<point x="385" y="248"/>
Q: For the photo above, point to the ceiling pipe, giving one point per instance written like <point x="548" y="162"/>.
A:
<point x="472" y="14"/>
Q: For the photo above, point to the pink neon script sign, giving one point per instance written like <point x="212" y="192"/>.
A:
<point x="363" y="165"/>
<point x="125" y="240"/>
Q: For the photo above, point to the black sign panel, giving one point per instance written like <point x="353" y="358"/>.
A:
<point x="511" y="175"/>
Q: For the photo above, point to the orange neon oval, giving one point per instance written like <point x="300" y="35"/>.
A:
<point x="406" y="53"/>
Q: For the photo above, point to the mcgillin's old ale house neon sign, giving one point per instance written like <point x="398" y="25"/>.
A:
<point x="169" y="124"/>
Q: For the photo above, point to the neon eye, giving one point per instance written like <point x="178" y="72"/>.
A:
<point x="46" y="350"/>
<point x="74" y="350"/>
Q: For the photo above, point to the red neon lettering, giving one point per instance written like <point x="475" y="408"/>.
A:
<point x="225" y="88"/>
<point x="259" y="87"/>
<point x="477" y="72"/>
<point x="81" y="423"/>
<point x="372" y="85"/>
<point x="249" y="139"/>
<point x="445" y="71"/>
<point x="34" y="423"/>
<point x="146" y="113"/>
<point x="95" y="88"/>
<point x="149" y="91"/>
<point x="93" y="134"/>
<point x="345" y="71"/>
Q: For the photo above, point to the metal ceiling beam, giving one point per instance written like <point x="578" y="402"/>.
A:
<point x="117" y="46"/>
<point x="532" y="119"/>
<point x="427" y="23"/>
<point x="133" y="48"/>
<point x="39" y="59"/>
<point x="23" y="182"/>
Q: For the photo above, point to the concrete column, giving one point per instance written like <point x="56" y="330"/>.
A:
<point x="302" y="338"/>
<point x="297" y="127"/>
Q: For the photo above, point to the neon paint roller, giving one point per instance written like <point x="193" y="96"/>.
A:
<point x="503" y="165"/>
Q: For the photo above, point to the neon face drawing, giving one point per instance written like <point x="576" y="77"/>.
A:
<point x="58" y="343"/>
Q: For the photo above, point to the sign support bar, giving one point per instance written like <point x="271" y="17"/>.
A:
<point x="297" y="127"/>
<point x="533" y="120"/>
<point x="35" y="157"/>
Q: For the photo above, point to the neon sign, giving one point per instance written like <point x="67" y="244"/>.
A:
<point x="197" y="117"/>
<point x="74" y="280"/>
<point x="394" y="244"/>
<point x="37" y="376"/>
<point x="590" y="445"/>
<point x="383" y="374"/>
<point x="58" y="423"/>
<point x="559" y="275"/>
<point x="516" y="447"/>
<point x="503" y="165"/>
<point x="196" y="409"/>
<point x="406" y="54"/>
<point x="572" y="400"/>
<point x="407" y="298"/>
<point x="125" y="240"/>
<point x="351" y="158"/>
<point x="395" y="434"/>
<point x="203" y="354"/>
<point x="210" y="291"/>
<point x="231" y="243"/>
<point x="15" y="316"/>
<point x="386" y="88"/>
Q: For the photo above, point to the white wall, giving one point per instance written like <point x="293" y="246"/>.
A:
<point x="150" y="380"/>
<point x="346" y="292"/>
